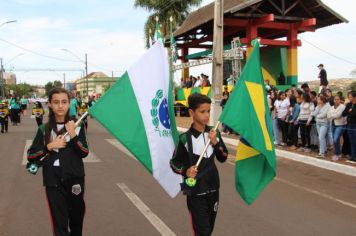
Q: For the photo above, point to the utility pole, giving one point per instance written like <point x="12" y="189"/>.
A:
<point x="218" y="61"/>
<point x="64" y="80"/>
<point x="2" y="82"/>
<point x="86" y="74"/>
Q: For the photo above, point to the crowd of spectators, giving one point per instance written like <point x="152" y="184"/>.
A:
<point x="192" y="81"/>
<point x="307" y="121"/>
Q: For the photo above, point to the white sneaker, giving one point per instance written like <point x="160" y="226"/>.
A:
<point x="307" y="150"/>
<point x="320" y="155"/>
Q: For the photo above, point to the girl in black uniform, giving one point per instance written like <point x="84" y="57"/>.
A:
<point x="203" y="198"/>
<point x="63" y="169"/>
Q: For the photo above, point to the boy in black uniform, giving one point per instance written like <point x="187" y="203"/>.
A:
<point x="63" y="168"/>
<point x="203" y="198"/>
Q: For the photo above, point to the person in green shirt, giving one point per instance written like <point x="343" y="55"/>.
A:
<point x="24" y="102"/>
<point x="15" y="110"/>
<point x="73" y="106"/>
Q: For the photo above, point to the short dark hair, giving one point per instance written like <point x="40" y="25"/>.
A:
<point x="305" y="85"/>
<point x="328" y="90"/>
<point x="314" y="93"/>
<point x="292" y="101"/>
<point x="196" y="99"/>
<point x="300" y="92"/>
<point x="306" y="97"/>
<point x="280" y="94"/>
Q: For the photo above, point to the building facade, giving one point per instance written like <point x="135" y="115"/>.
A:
<point x="96" y="82"/>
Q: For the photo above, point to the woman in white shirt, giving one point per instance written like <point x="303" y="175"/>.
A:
<point x="322" y="123"/>
<point x="282" y="108"/>
<point x="304" y="119"/>
<point x="338" y="125"/>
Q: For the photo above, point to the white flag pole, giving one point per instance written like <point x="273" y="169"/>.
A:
<point x="191" y="182"/>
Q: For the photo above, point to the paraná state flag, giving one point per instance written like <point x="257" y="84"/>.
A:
<point x="247" y="113"/>
<point x="138" y="111"/>
<point x="174" y="49"/>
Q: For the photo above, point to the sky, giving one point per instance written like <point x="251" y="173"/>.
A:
<point x="110" y="32"/>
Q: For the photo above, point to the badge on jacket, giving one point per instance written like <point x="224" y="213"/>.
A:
<point x="76" y="189"/>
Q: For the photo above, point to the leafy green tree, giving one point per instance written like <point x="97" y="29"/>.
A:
<point x="353" y="73"/>
<point x="353" y="86"/>
<point x="20" y="90"/>
<point x="177" y="9"/>
<point x="50" y="85"/>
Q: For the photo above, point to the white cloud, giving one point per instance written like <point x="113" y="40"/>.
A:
<point x="117" y="47"/>
<point x="42" y="23"/>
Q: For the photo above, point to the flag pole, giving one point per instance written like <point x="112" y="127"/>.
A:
<point x="191" y="182"/>
<point x="78" y="122"/>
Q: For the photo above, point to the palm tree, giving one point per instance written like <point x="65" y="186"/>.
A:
<point x="164" y="9"/>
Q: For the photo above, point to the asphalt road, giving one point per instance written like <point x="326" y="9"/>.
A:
<point x="122" y="198"/>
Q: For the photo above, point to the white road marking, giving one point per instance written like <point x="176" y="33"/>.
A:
<point x="310" y="190"/>
<point x="90" y="158"/>
<point x="146" y="211"/>
<point x="317" y="193"/>
<point x="120" y="147"/>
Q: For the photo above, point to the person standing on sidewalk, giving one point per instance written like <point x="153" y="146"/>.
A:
<point x="282" y="109"/>
<point x="350" y="113"/>
<point x="322" y="123"/>
<point x="323" y="79"/>
<point x="293" y="124"/>
<point x="304" y="119"/>
<point x="338" y="125"/>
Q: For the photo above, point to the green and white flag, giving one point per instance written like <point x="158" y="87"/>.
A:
<point x="138" y="111"/>
<point x="158" y="35"/>
<point x="174" y="49"/>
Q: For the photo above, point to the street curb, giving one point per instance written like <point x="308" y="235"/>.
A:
<point x="328" y="165"/>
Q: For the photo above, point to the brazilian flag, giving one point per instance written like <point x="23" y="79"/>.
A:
<point x="247" y="113"/>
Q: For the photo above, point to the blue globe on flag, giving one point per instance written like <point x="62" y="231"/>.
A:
<point x="163" y="114"/>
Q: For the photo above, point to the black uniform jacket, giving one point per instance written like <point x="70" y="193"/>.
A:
<point x="208" y="176"/>
<point x="70" y="157"/>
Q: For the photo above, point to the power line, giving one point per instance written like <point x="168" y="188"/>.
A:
<point x="329" y="53"/>
<point x="36" y="53"/>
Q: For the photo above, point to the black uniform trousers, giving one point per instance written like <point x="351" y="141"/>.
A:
<point x="67" y="207"/>
<point x="203" y="210"/>
<point x="4" y="124"/>
<point x="39" y="120"/>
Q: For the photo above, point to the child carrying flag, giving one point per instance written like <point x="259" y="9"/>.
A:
<point x="203" y="198"/>
<point x="62" y="161"/>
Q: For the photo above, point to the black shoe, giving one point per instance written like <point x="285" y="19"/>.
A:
<point x="2" y="131"/>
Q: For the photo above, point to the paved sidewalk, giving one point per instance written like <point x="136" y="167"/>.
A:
<point x="340" y="166"/>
